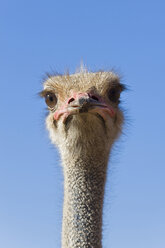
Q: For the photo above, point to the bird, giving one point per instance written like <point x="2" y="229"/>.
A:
<point x="84" y="120"/>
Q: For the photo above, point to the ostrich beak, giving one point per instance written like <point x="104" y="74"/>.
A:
<point x="82" y="103"/>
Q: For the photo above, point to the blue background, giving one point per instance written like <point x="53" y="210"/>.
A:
<point x="45" y="36"/>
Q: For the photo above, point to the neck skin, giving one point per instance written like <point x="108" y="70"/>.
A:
<point x="84" y="180"/>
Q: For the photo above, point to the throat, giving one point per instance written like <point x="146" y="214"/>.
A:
<point x="84" y="181"/>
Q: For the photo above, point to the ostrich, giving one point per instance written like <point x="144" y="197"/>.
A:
<point x="84" y="120"/>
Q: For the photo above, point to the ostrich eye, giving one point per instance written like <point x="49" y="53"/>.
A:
<point x="114" y="95"/>
<point x="50" y="99"/>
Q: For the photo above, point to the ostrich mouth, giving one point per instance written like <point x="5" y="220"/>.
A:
<point x="99" y="109"/>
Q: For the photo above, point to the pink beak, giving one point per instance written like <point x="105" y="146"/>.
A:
<point x="82" y="101"/>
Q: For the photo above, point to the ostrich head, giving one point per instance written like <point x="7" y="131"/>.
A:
<point x="83" y="109"/>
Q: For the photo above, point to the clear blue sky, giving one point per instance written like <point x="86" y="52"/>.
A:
<point x="41" y="36"/>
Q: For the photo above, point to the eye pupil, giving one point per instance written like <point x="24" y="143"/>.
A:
<point x="114" y="95"/>
<point x="50" y="100"/>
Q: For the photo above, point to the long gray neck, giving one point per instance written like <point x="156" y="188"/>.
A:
<point x="84" y="180"/>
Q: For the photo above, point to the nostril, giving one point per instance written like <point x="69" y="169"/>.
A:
<point x="71" y="100"/>
<point x="95" y="98"/>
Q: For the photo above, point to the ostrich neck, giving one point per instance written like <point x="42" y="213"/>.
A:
<point x="84" y="180"/>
